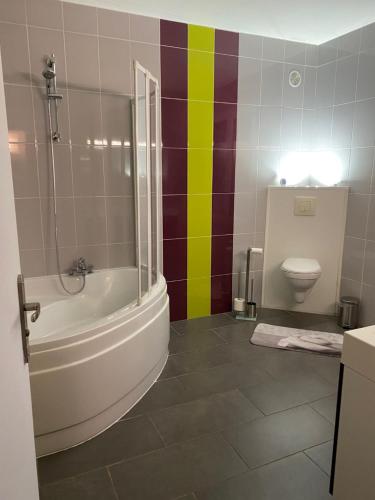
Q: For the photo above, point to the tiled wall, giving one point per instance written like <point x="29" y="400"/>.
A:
<point x="199" y="88"/>
<point x="346" y="124"/>
<point x="216" y="161"/>
<point x="94" y="49"/>
<point x="333" y="109"/>
<point x="258" y="117"/>
<point x="229" y="116"/>
<point x="272" y="119"/>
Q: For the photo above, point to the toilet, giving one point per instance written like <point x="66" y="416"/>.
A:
<point x="302" y="275"/>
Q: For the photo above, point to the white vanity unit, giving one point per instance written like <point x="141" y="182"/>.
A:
<point x="353" y="470"/>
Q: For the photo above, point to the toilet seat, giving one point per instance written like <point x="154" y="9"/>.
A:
<point x="302" y="275"/>
<point x="301" y="268"/>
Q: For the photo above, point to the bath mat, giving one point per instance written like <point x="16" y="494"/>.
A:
<point x="295" y="339"/>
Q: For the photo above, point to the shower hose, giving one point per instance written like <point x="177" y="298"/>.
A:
<point x="58" y="260"/>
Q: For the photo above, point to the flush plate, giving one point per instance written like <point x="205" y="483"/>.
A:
<point x="305" y="205"/>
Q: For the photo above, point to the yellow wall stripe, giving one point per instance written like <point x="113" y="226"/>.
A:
<point x="201" y="58"/>
<point x="201" y="38"/>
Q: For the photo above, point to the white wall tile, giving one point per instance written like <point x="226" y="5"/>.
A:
<point x="346" y="79"/>
<point x="366" y="76"/>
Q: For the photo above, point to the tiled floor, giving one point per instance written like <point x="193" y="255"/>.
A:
<point x="227" y="420"/>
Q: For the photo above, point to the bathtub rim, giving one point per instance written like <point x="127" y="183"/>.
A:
<point x="58" y="357"/>
<point x="99" y="326"/>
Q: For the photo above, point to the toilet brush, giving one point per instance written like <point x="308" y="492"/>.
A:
<point x="251" y="306"/>
<point x="247" y="309"/>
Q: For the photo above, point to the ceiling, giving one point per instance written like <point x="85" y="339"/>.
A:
<point x="311" y="21"/>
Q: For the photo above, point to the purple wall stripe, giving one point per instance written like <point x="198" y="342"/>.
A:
<point x="222" y="254"/>
<point x="173" y="72"/>
<point x="226" y="78"/>
<point x="221" y="293"/>
<point x="177" y="291"/>
<point x="224" y="161"/>
<point x="174" y="252"/>
<point x="174" y="123"/>
<point x="174" y="162"/>
<point x="173" y="34"/>
<point x="222" y="213"/>
<point x="227" y="42"/>
<point x="174" y="171"/>
<point x="225" y="125"/>
<point x="174" y="216"/>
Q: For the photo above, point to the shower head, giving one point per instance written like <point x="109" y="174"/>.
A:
<point x="49" y="73"/>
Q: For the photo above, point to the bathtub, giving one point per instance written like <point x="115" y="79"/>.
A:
<point x="93" y="355"/>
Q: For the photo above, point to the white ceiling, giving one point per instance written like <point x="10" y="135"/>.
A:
<point x="311" y="21"/>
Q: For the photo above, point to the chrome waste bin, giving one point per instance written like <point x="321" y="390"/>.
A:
<point x="348" y="312"/>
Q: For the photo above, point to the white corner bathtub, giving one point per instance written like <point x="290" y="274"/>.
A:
<point x="93" y="355"/>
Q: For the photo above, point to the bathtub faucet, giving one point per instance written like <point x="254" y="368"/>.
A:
<point x="80" y="268"/>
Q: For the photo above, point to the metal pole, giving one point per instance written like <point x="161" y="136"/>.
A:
<point x="247" y="275"/>
<point x="148" y="185"/>
<point x="136" y="185"/>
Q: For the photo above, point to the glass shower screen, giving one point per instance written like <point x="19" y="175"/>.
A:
<point x="147" y="178"/>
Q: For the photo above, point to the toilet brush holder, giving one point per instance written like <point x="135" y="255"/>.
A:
<point x="251" y="311"/>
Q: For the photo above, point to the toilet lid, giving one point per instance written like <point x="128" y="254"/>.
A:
<point x="303" y="266"/>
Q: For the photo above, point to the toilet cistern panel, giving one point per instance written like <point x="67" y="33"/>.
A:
<point x="305" y="205"/>
<point x="310" y="247"/>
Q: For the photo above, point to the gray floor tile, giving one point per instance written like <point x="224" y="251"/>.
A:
<point x="193" y="340"/>
<point x="162" y="394"/>
<point x="236" y="332"/>
<point x="293" y="478"/>
<point x="264" y="314"/>
<point x="208" y="322"/>
<point x="125" y="439"/>
<point x="322" y="456"/>
<point x="222" y="378"/>
<point x="179" y="364"/>
<point x="95" y="485"/>
<point x="282" y="319"/>
<point x="276" y="436"/>
<point x="176" y="470"/>
<point x="203" y="416"/>
<point x="212" y="356"/>
<point x="281" y="395"/>
<point x="326" y="407"/>
<point x="191" y="496"/>
<point x="328" y="326"/>
<point x="310" y="320"/>
<point x="327" y="367"/>
<point x="240" y="352"/>
<point x="282" y="364"/>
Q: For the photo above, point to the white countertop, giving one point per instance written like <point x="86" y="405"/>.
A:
<point x="359" y="351"/>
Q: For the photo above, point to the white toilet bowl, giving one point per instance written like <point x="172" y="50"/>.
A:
<point x="302" y="275"/>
